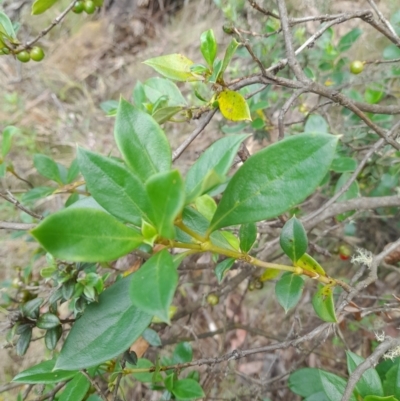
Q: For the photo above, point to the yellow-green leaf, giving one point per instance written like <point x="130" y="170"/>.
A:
<point x="233" y="106"/>
<point x="306" y="262"/>
<point x="323" y="304"/>
<point x="269" y="274"/>
<point x="40" y="6"/>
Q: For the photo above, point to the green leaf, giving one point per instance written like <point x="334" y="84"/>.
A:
<point x="307" y="262"/>
<point x="173" y="66"/>
<point x="216" y="71"/>
<point x="222" y="268"/>
<point x="275" y="179"/>
<point x="247" y="236"/>
<point x="183" y="353"/>
<point x="316" y="123"/>
<point x="229" y="53"/>
<point x="152" y="337"/>
<point x="76" y="389"/>
<point x="323" y="304"/>
<point x="37" y="193"/>
<point x="343" y="164"/>
<point x="23" y="341"/>
<point x="85" y="235"/>
<point x="373" y="96"/>
<point x="167" y="198"/>
<point x="377" y="398"/>
<point x="43" y="373"/>
<point x="141" y="141"/>
<point x="52" y="336"/>
<point x="288" y="290"/>
<point x="106" y="329"/>
<point x="208" y="46"/>
<point x="114" y="187"/>
<point x="187" y="389"/>
<point x="347" y="40"/>
<point x="391" y="385"/>
<point x="169" y="381"/>
<point x="153" y="285"/>
<point x="293" y="239"/>
<point x="206" y="206"/>
<point x="216" y="159"/>
<point x="47" y="167"/>
<point x="391" y="52"/>
<point x="40" y="6"/>
<point x="73" y="171"/>
<point x="370" y="382"/>
<point x="166" y="113"/>
<point x="47" y="321"/>
<point x="156" y="87"/>
<point x="233" y="106"/>
<point x="6" y="26"/>
<point x="8" y="133"/>
<point x="146" y="377"/>
<point x="31" y="308"/>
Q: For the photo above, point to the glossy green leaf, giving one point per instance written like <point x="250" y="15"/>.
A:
<point x="156" y="87"/>
<point x="144" y="377"/>
<point x="85" y="235"/>
<point x="225" y="239"/>
<point x="229" y="53"/>
<point x="31" y="308"/>
<point x="316" y="123"/>
<point x="47" y="167"/>
<point x="370" y="382"/>
<point x="187" y="389"/>
<point x="288" y="290"/>
<point x="233" y="106"/>
<point x="43" y="373"/>
<point x="216" y="159"/>
<point x="307" y="262"/>
<point x="169" y="381"/>
<point x="153" y="285"/>
<point x="206" y="206"/>
<point x="114" y="187"/>
<point x="373" y="95"/>
<point x="6" y="26"/>
<point x="141" y="141"/>
<point x="47" y="321"/>
<point x="195" y="221"/>
<point x="343" y="164"/>
<point x="23" y="341"/>
<point x="8" y="133"/>
<point x="222" y="268"/>
<point x="293" y="239"/>
<point x="73" y="171"/>
<point x="347" y="40"/>
<point x="323" y="304"/>
<point x="106" y="329"/>
<point x="275" y="179"/>
<point x="183" y="353"/>
<point x="391" y="385"/>
<point x="247" y="236"/>
<point x="40" y="6"/>
<point x="167" y="197"/>
<point x="208" y="46"/>
<point x="166" y="113"/>
<point x="76" y="389"/>
<point x="173" y="66"/>
<point x="216" y="71"/>
<point x="152" y="337"/>
<point x="52" y="336"/>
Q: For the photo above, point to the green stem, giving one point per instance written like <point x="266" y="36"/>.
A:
<point x="189" y="231"/>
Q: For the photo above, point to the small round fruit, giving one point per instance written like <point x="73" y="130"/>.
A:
<point x="258" y="284"/>
<point x="356" y="67"/>
<point x="89" y="7"/>
<point x="344" y="252"/>
<point x="23" y="56"/>
<point x="78" y="7"/>
<point x="5" y="50"/>
<point x="212" y="299"/>
<point x="37" y="53"/>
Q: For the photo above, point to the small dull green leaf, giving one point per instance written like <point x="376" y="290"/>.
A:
<point x="275" y="179"/>
<point x="247" y="236"/>
<point x="187" y="389"/>
<point x="377" y="398"/>
<point x="229" y="53"/>
<point x="76" y="389"/>
<point x="391" y="385"/>
<point x="52" y="336"/>
<point x="85" y="235"/>
<point x="153" y="285"/>
<point x="144" y="377"/>
<point x="347" y="40"/>
<point x="156" y="87"/>
<point x="373" y="95"/>
<point x="40" y="6"/>
<point x="8" y="133"/>
<point x="233" y="106"/>
<point x="167" y="197"/>
<point x="31" y="308"/>
<point x="47" y="321"/>
<point x="288" y="290"/>
<point x="47" y="167"/>
<point x="222" y="268"/>
<point x="6" y="26"/>
<point x="95" y="339"/>
<point x="152" y="337"/>
<point x="323" y="304"/>
<point x="43" y="373"/>
<point x="269" y="274"/>
<point x="166" y="113"/>
<point x="293" y="239"/>
<point x="343" y="164"/>
<point x="206" y="206"/>
<point x="173" y="66"/>
<point x="141" y="141"/>
<point x="208" y="46"/>
<point x="316" y="123"/>
<point x="125" y="198"/>
<point x="307" y="262"/>
<point x="183" y="353"/>
<point x="216" y="71"/>
<point x="23" y="342"/>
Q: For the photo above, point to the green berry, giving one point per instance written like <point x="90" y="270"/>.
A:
<point x="89" y="7"/>
<point x="212" y="299"/>
<point x="23" y="56"/>
<point x="37" y="53"/>
<point x="5" y="50"/>
<point x="78" y="7"/>
<point x="356" y="67"/>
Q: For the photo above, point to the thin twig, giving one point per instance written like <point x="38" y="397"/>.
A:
<point x="10" y="198"/>
<point x="8" y="225"/>
<point x="382" y="18"/>
<point x="94" y="384"/>
<point x="284" y="110"/>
